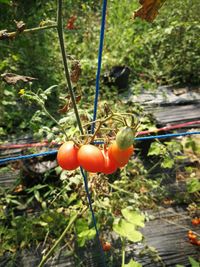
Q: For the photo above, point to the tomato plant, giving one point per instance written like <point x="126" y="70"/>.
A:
<point x="67" y="156"/>
<point x="91" y="158"/>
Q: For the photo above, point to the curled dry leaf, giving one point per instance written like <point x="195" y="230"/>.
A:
<point x="68" y="105"/>
<point x="12" y="78"/>
<point x="149" y="9"/>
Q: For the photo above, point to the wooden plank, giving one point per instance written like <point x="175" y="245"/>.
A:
<point x="176" y="114"/>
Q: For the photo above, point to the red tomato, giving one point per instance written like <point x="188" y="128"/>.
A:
<point x="106" y="246"/>
<point x="91" y="158"/>
<point x="67" y="156"/>
<point x="110" y="165"/>
<point x="120" y="156"/>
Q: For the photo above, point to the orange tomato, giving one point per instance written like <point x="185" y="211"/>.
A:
<point x="195" y="221"/>
<point x="121" y="157"/>
<point x="91" y="158"/>
<point x="67" y="156"/>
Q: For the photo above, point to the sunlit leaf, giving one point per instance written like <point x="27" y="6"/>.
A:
<point x="126" y="229"/>
<point x="133" y="217"/>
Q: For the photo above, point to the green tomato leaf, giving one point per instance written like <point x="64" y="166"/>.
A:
<point x="167" y="163"/>
<point x="126" y="229"/>
<point x="133" y="263"/>
<point x="85" y="236"/>
<point x="193" y="185"/>
<point x="133" y="217"/>
<point x="156" y="149"/>
<point x="81" y="225"/>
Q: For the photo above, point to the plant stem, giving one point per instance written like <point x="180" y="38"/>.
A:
<point x="64" y="58"/>
<point x="50" y="252"/>
<point x="120" y="189"/>
<point x="123" y="251"/>
<point x="53" y="119"/>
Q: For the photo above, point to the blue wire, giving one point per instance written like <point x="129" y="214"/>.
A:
<point x="95" y="116"/>
<point x="164" y="136"/>
<point x="99" y="63"/>
<point x="84" y="174"/>
<point x="52" y="152"/>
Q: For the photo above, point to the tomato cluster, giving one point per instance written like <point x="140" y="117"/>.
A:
<point x="193" y="238"/>
<point x="93" y="159"/>
<point x="191" y="235"/>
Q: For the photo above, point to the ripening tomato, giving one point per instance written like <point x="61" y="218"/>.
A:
<point x="110" y="165"/>
<point x="195" y="221"/>
<point x="106" y="246"/>
<point x="91" y="158"/>
<point x="120" y="156"/>
<point x="67" y="156"/>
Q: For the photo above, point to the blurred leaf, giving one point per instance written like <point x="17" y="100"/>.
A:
<point x="5" y="1"/>
<point x="193" y="262"/>
<point x="133" y="217"/>
<point x="133" y="263"/>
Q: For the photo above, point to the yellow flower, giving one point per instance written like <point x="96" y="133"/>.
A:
<point x="21" y="92"/>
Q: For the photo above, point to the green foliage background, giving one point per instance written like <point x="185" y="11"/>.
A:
<point x="164" y="52"/>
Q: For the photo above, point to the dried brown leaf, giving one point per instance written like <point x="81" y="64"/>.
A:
<point x="149" y="9"/>
<point x="12" y="78"/>
<point x="65" y="108"/>
<point x="75" y="71"/>
<point x="68" y="105"/>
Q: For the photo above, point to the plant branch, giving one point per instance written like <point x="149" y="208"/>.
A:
<point x="58" y="241"/>
<point x="11" y="35"/>
<point x="64" y="58"/>
<point x="120" y="189"/>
